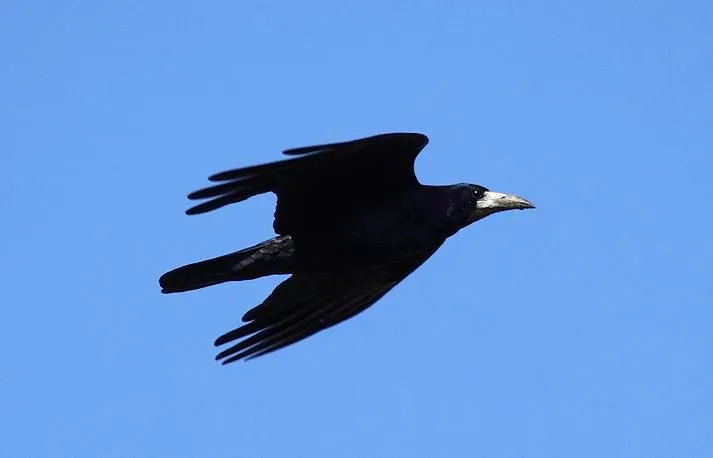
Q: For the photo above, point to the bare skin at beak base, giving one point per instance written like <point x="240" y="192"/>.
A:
<point x="501" y="201"/>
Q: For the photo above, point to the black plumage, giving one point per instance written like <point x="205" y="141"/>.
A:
<point x="351" y="222"/>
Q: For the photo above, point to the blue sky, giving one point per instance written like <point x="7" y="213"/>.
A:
<point x="582" y="328"/>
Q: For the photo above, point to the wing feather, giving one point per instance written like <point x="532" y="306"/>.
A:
<point x="299" y="307"/>
<point x="346" y="173"/>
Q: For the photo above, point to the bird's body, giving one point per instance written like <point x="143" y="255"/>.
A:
<point x="377" y="234"/>
<point x="352" y="221"/>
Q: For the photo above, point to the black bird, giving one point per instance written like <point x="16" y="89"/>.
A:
<point x="351" y="222"/>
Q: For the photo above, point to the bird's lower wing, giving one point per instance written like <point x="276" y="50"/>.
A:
<point x="299" y="307"/>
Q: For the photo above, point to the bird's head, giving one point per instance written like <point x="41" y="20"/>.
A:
<point x="471" y="202"/>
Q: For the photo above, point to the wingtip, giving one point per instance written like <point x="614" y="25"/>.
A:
<point x="232" y="359"/>
<point x="219" y="341"/>
<point x="222" y="176"/>
<point x="198" y="209"/>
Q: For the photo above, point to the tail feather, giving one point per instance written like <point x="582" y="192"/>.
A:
<point x="270" y="257"/>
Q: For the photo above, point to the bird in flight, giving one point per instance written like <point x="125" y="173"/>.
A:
<point x="351" y="222"/>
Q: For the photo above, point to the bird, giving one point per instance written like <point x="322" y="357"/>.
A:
<point x="351" y="222"/>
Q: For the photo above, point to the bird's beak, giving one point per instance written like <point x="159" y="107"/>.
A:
<point x="497" y="201"/>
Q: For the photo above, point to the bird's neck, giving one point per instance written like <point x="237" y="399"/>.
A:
<point x="436" y="207"/>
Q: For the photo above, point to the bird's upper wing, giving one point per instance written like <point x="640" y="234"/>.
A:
<point x="300" y="306"/>
<point x="324" y="179"/>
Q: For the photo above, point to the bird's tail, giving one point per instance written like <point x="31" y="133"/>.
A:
<point x="270" y="257"/>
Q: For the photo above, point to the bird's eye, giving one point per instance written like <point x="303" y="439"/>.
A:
<point x="479" y="192"/>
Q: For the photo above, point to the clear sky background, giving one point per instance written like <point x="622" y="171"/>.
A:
<point x="579" y="329"/>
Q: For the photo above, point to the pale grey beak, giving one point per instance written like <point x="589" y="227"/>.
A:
<point x="497" y="201"/>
